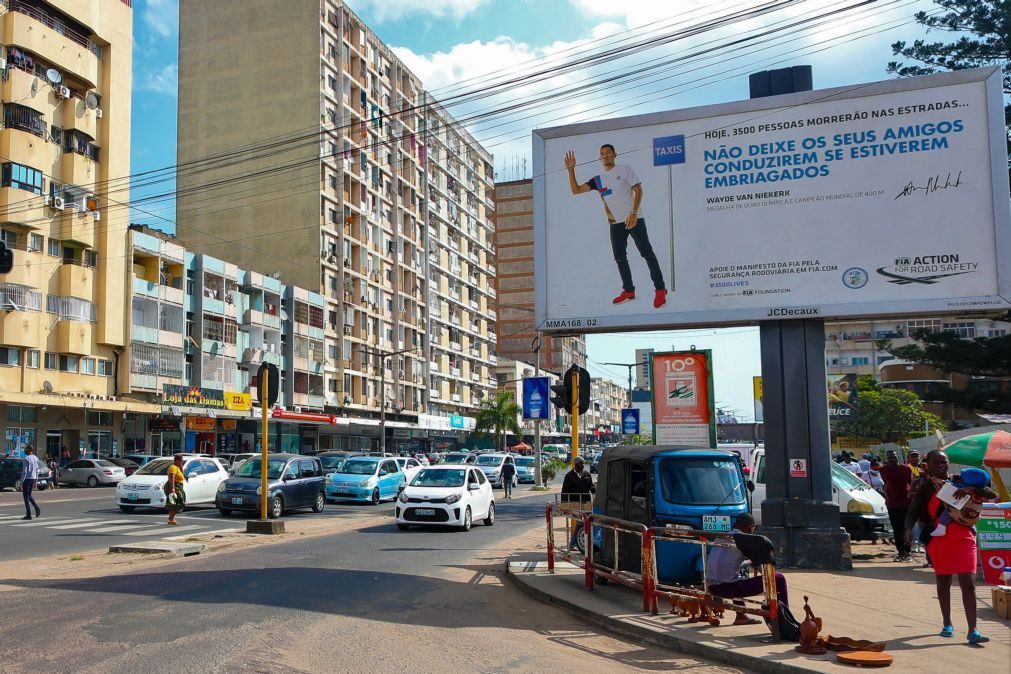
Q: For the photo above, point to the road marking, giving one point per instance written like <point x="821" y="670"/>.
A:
<point x="165" y="530"/>
<point x="38" y="522"/>
<point x="107" y="530"/>
<point x="90" y="524"/>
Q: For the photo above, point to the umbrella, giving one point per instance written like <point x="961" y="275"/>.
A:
<point x="985" y="449"/>
<point x="522" y="446"/>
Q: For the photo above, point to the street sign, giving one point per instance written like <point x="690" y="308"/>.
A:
<point x="630" y="421"/>
<point x="535" y="398"/>
<point x="270" y="395"/>
<point x="798" y="467"/>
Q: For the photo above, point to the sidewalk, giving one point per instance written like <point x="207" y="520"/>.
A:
<point x="879" y="600"/>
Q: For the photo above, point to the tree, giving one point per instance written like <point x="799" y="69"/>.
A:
<point x="949" y="353"/>
<point x="888" y="415"/>
<point x="867" y="382"/>
<point x="497" y="416"/>
<point x="984" y="39"/>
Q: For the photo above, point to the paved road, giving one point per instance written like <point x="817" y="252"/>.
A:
<point x="75" y="520"/>
<point x="372" y="599"/>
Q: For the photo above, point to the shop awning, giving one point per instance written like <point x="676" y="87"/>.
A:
<point x="307" y="417"/>
<point x="81" y="402"/>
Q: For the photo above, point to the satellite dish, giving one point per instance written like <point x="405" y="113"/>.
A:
<point x="47" y="386"/>
<point x="91" y="100"/>
<point x="54" y="76"/>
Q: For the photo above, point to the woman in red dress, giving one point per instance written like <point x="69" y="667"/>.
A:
<point x="953" y="554"/>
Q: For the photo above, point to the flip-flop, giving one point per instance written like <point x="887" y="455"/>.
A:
<point x="947" y="631"/>
<point x="976" y="638"/>
<point x="751" y="621"/>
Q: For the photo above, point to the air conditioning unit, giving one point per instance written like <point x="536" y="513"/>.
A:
<point x="63" y="92"/>
<point x="98" y="216"/>
<point x="98" y="113"/>
<point x="58" y="203"/>
<point x="82" y="206"/>
<point x="47" y="200"/>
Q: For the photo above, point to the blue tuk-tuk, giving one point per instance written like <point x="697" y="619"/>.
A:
<point x="702" y="489"/>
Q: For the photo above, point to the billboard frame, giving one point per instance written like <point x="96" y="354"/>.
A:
<point x="990" y="77"/>
<point x="710" y="402"/>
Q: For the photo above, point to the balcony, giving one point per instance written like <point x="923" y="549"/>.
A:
<point x="74" y="336"/>
<point x="52" y="39"/>
<point x="142" y="333"/>
<point x="145" y="288"/>
<point x="22" y="328"/>
<point x="252" y="356"/>
<point x="172" y="295"/>
<point x="72" y="225"/>
<point x="76" y="280"/>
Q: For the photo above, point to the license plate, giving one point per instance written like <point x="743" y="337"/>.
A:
<point x="424" y="511"/>
<point x="132" y="497"/>
<point x="236" y="500"/>
<point x="715" y="523"/>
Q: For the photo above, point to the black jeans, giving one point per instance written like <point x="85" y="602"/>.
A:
<point x="619" y="246"/>
<point x="26" y="491"/>
<point x="897" y="516"/>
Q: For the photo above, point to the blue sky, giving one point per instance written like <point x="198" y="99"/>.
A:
<point x="447" y="41"/>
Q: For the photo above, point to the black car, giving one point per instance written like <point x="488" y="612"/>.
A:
<point x="293" y="481"/>
<point x="128" y="465"/>
<point x="10" y="475"/>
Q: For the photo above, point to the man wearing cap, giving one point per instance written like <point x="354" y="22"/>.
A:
<point x="577" y="486"/>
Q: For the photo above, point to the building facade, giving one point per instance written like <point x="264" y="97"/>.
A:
<point x="354" y="183"/>
<point x="514" y="245"/>
<point x="65" y="143"/>
<point x="642" y="373"/>
<point x="607" y="399"/>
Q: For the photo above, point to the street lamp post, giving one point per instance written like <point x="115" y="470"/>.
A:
<point x="538" y="478"/>
<point x="383" y="355"/>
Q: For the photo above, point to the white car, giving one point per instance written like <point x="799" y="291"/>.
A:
<point x="451" y="495"/>
<point x="410" y="466"/>
<point x="492" y="464"/>
<point x="146" y="487"/>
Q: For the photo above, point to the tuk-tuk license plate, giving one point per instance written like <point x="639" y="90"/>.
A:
<point x="715" y="523"/>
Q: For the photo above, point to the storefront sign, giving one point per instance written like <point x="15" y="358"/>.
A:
<point x="683" y="403"/>
<point x="455" y="421"/>
<point x="242" y="402"/>
<point x="193" y="396"/>
<point x="203" y="424"/>
<point x="228" y="424"/>
<point x="163" y="425"/>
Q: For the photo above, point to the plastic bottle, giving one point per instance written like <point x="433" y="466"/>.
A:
<point x="1005" y="576"/>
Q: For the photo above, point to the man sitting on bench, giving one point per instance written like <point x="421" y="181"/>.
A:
<point x="724" y="572"/>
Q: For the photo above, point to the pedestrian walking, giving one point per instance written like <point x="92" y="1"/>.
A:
<point x="897" y="478"/>
<point x="175" y="494"/>
<point x="849" y="464"/>
<point x="577" y="488"/>
<point x="54" y="468"/>
<point x="64" y="457"/>
<point x="29" y="476"/>
<point x="953" y="554"/>
<point x="508" y="474"/>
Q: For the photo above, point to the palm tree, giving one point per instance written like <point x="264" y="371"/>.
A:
<point x="496" y="416"/>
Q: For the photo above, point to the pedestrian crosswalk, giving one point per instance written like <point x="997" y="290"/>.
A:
<point x="98" y="526"/>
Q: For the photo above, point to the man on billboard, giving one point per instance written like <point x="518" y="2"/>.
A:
<point x="621" y="191"/>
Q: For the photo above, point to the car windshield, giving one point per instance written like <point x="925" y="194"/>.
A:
<point x="158" y="467"/>
<point x="251" y="468"/>
<point x="358" y="467"/>
<point x="332" y="461"/>
<point x="105" y="464"/>
<point x="701" y="481"/>
<point x="525" y="462"/>
<point x="489" y="460"/>
<point x="455" y="458"/>
<point x="846" y="479"/>
<point x="431" y="477"/>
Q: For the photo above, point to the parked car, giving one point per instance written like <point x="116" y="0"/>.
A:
<point x="365" y="478"/>
<point x="141" y="459"/>
<point x="146" y="487"/>
<point x="409" y="466"/>
<point x="459" y="457"/>
<point x="91" y="472"/>
<point x="10" y="475"/>
<point x="491" y="465"/>
<point x="595" y="463"/>
<point x="333" y="458"/>
<point x="127" y="465"/>
<point x="447" y="495"/>
<point x="526" y="469"/>
<point x="293" y="482"/>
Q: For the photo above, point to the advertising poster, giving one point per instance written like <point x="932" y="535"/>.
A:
<point x="630" y="421"/>
<point x="535" y="398"/>
<point x="756" y="385"/>
<point x="684" y="413"/>
<point x="842" y="397"/>
<point x="822" y="204"/>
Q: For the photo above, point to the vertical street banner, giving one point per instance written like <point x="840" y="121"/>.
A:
<point x="756" y="385"/>
<point x="842" y="397"/>
<point x="684" y="410"/>
<point x="535" y="398"/>
<point x="630" y="421"/>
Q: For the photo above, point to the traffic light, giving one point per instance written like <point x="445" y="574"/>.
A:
<point x="6" y="258"/>
<point x="584" y="389"/>
<point x="563" y="394"/>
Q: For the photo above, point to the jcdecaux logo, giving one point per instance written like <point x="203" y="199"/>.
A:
<point x="669" y="150"/>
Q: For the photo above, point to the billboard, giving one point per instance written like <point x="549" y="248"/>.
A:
<point x="756" y="385"/>
<point x="535" y="398"/>
<point x="684" y="413"/>
<point x="630" y="421"/>
<point x="842" y="397"/>
<point x="887" y="198"/>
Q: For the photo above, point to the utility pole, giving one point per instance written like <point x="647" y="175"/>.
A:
<point x="383" y="355"/>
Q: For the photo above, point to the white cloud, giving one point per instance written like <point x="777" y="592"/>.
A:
<point x="164" y="81"/>
<point x="162" y="16"/>
<point x="389" y="10"/>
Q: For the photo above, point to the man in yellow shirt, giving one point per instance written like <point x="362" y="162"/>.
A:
<point x="913" y="460"/>
<point x="174" y="492"/>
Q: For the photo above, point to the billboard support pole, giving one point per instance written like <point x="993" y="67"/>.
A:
<point x="538" y="476"/>
<point x="575" y="414"/>
<point x="798" y="513"/>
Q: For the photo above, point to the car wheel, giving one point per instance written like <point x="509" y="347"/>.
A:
<point x="17" y="485"/>
<point x="320" y="503"/>
<point x="467" y="520"/>
<point x="276" y="508"/>
<point x="126" y="508"/>
<point x="225" y="512"/>
<point x="490" y="519"/>
<point x="92" y="481"/>
<point x="403" y="527"/>
<point x="42" y="487"/>
<point x="375" y="497"/>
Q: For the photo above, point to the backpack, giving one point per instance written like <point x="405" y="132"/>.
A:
<point x="789" y="628"/>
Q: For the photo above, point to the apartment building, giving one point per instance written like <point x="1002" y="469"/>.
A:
<point x="607" y="399"/>
<point x="514" y="284"/>
<point x="353" y="182"/>
<point x="642" y="372"/>
<point x="64" y="149"/>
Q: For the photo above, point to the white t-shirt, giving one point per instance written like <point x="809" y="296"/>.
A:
<point x="615" y="188"/>
<point x="864" y="464"/>
<point x="851" y="466"/>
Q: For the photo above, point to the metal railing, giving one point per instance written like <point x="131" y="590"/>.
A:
<point x="24" y="119"/>
<point x="56" y="23"/>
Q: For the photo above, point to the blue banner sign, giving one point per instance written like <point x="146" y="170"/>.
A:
<point x="535" y="398"/>
<point x="630" y="421"/>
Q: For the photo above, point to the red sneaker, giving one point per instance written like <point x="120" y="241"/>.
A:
<point x="625" y="296"/>
<point x="659" y="299"/>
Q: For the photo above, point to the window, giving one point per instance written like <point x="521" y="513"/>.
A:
<point x="930" y="325"/>
<point x="21" y="177"/>
<point x="33" y="358"/>
<point x="22" y="414"/>
<point x="88" y="366"/>
<point x="965" y="330"/>
<point x="230" y="330"/>
<point x="19" y="297"/>
<point x="24" y="118"/>
<point x="69" y="363"/>
<point x="50" y="361"/>
<point x="10" y="356"/>
<point x="90" y="258"/>
<point x="55" y="248"/>
<point x="214" y="328"/>
<point x="35" y="242"/>
<point x="302" y="313"/>
<point x="861" y="360"/>
<point x="71" y="308"/>
<point x="104" y="368"/>
<point x="996" y="332"/>
<point x="308" y="468"/>
<point x="99" y="418"/>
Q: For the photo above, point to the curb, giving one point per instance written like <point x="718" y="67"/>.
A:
<point x="671" y="641"/>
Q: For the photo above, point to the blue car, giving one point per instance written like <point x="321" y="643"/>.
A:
<point x="525" y="469"/>
<point x="365" y="478"/>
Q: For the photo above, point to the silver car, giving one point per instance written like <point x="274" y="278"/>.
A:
<point x="92" y="472"/>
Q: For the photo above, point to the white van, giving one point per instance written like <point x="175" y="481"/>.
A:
<point x="862" y="510"/>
